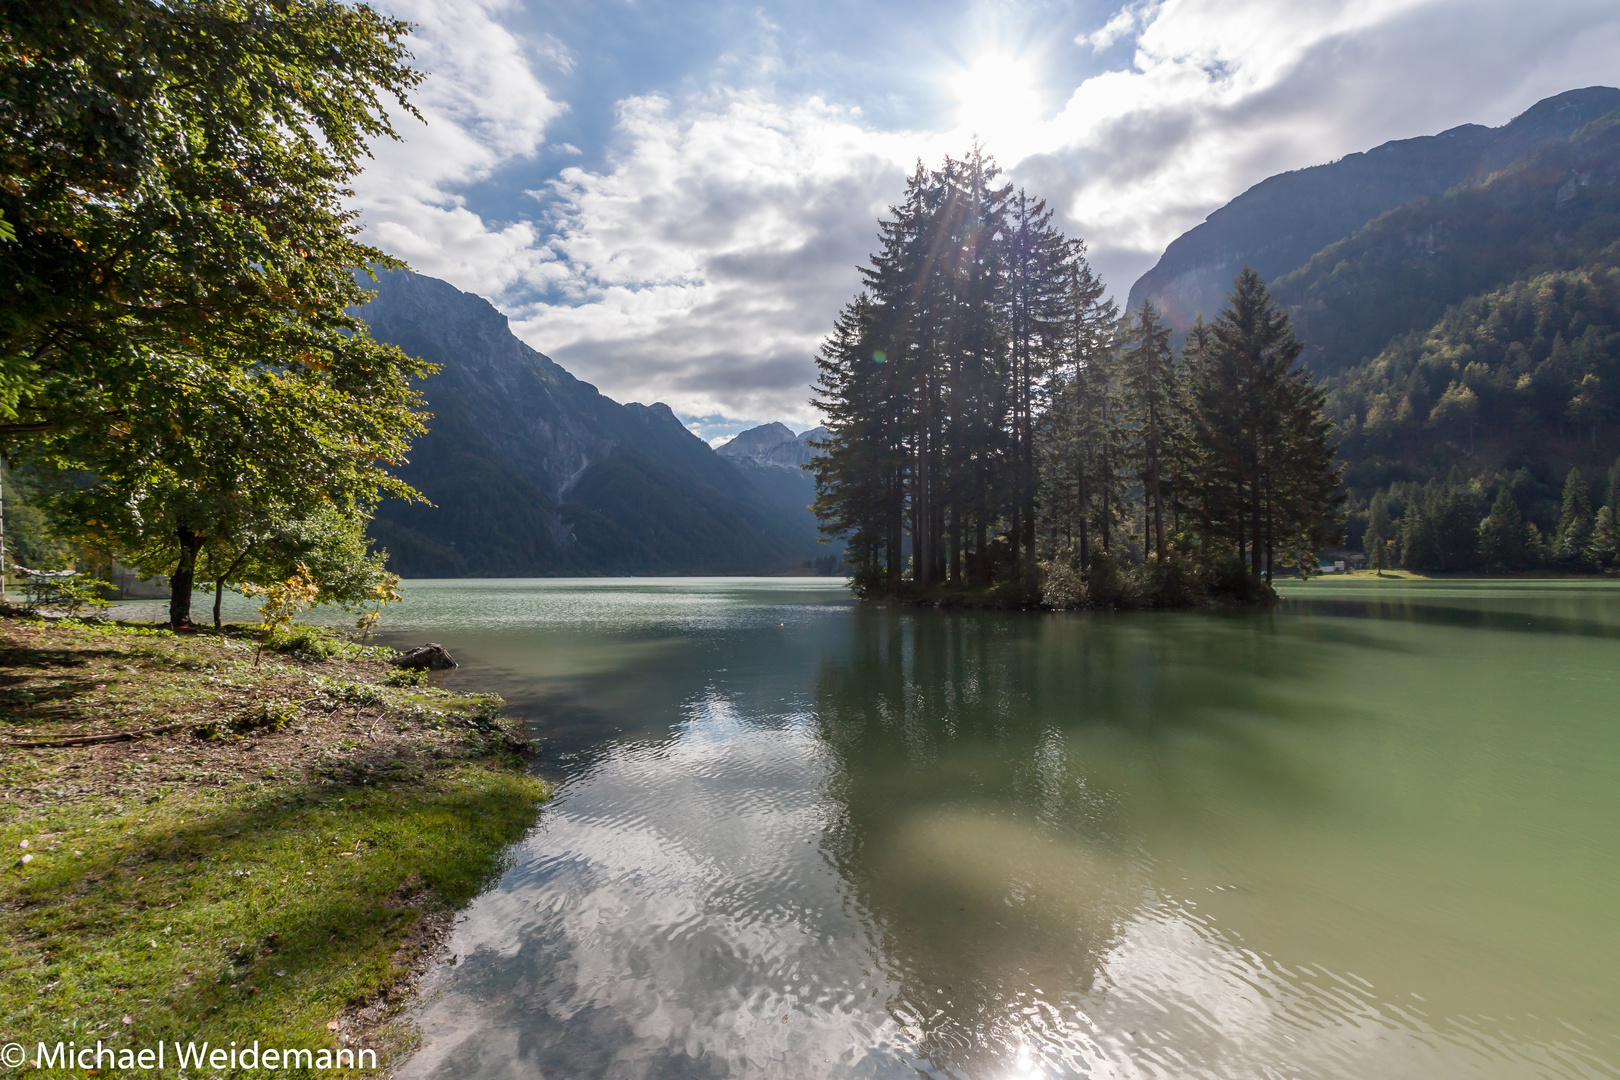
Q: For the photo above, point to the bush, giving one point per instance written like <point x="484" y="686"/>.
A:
<point x="1109" y="583"/>
<point x="868" y="581"/>
<point x="1061" y="587"/>
<point x="333" y="694"/>
<point x="407" y="677"/>
<point x="309" y="644"/>
<point x="258" y="718"/>
<point x="1229" y="581"/>
<point x="67" y="590"/>
<point x="1174" y="583"/>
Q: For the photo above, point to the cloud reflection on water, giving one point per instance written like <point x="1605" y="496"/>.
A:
<point x="887" y="843"/>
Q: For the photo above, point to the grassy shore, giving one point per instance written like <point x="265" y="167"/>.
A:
<point x="277" y="861"/>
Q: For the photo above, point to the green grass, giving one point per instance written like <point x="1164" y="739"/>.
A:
<point x="278" y="882"/>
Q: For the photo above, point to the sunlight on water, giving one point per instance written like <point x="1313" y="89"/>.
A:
<point x="1375" y="833"/>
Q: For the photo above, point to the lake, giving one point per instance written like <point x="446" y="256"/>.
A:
<point x="1373" y="833"/>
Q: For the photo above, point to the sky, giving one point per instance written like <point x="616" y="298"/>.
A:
<point x="671" y="199"/>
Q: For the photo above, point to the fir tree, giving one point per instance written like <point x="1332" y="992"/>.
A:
<point x="1150" y="379"/>
<point x="1503" y="539"/>
<point x="1574" y="535"/>
<point x="1380" y="533"/>
<point x="1264" y="472"/>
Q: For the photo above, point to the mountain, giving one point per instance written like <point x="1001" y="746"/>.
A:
<point x="1523" y="377"/>
<point x="1558" y="208"/>
<point x="533" y="472"/>
<point x="1459" y="298"/>
<point x="772" y="459"/>
<point x="1280" y="223"/>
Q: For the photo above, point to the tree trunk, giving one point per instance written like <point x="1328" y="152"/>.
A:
<point x="2" y="539"/>
<point x="1085" y="531"/>
<point x="1154" y="450"/>
<point x="219" y="595"/>
<point x="183" y="578"/>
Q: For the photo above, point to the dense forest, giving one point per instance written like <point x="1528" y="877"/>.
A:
<point x="1483" y="440"/>
<point x="997" y="431"/>
<point x="1557" y="209"/>
<point x="1467" y="338"/>
<point x="1488" y="405"/>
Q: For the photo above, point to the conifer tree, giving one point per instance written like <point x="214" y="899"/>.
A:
<point x="1574" y="533"/>
<point x="1073" y="436"/>
<point x="1502" y="535"/>
<point x="1038" y="274"/>
<point x="1265" y="479"/>
<point x="1376" y="540"/>
<point x="1150" y="379"/>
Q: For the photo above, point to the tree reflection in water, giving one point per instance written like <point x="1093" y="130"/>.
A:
<point x="989" y="773"/>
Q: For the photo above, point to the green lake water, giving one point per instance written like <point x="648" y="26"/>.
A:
<point x="1373" y="833"/>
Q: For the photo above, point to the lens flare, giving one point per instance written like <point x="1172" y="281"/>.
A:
<point x="997" y="101"/>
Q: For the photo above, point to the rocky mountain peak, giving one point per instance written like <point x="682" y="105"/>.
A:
<point x="772" y="446"/>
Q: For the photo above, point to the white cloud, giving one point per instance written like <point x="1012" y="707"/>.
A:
<point x="1223" y="93"/>
<point x="483" y="108"/>
<point x="705" y="261"/>
<point x="1123" y="23"/>
<point x="703" y="267"/>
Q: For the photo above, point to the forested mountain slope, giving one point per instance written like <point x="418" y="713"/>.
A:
<point x="1523" y="377"/>
<point x="1280" y="223"/>
<point x="533" y="472"/>
<point x="1556" y="209"/>
<point x="1469" y="338"/>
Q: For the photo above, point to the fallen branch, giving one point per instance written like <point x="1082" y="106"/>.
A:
<point x="87" y="740"/>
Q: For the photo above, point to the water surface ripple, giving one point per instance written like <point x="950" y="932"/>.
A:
<point x="1371" y="834"/>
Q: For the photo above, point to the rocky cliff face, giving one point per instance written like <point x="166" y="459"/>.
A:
<point x="1281" y="222"/>
<point x="531" y="470"/>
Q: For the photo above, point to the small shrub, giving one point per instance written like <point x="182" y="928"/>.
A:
<point x="1108" y="584"/>
<point x="309" y="644"/>
<point x="283" y="601"/>
<point x="1229" y="581"/>
<point x="1173" y="583"/>
<point x="82" y="591"/>
<point x="407" y="677"/>
<point x="66" y="590"/>
<point x="868" y="581"/>
<point x="336" y="694"/>
<point x="383" y="592"/>
<point x="259" y="718"/>
<point x="1061" y="587"/>
<point x="267" y="716"/>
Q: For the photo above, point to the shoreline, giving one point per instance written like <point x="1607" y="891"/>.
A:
<point x="198" y="846"/>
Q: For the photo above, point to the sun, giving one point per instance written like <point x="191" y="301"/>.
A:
<point x="997" y="100"/>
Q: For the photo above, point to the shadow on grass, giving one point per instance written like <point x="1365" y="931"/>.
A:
<point x="260" y="917"/>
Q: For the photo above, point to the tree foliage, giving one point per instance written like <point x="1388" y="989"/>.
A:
<point x="989" y="414"/>
<point x="1445" y="526"/>
<point x="1525" y="376"/>
<point x="176" y="348"/>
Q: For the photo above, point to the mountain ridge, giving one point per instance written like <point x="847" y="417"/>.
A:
<point x="1281" y="222"/>
<point x="517" y="457"/>
<point x="1555" y="209"/>
<point x="773" y="458"/>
